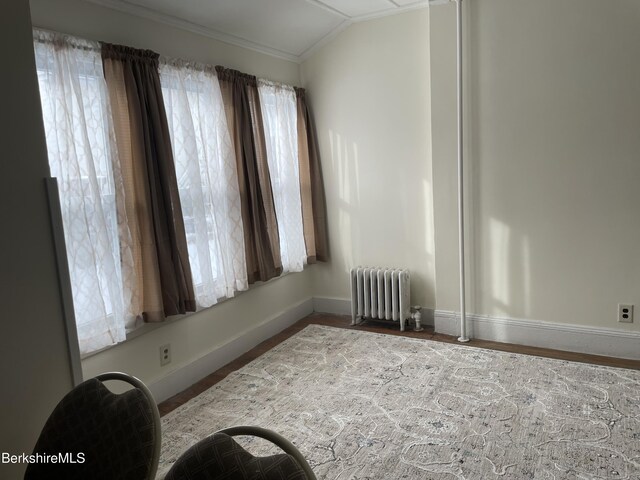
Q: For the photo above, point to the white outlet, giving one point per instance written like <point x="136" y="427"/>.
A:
<point x="625" y="313"/>
<point x="165" y="354"/>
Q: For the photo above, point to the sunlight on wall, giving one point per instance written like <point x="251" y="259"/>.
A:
<point x="427" y="201"/>
<point x="374" y="135"/>
<point x="509" y="270"/>
<point x="499" y="243"/>
<point x="344" y="168"/>
<point x="526" y="276"/>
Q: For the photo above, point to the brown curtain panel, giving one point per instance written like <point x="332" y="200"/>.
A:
<point x="244" y="117"/>
<point x="314" y="216"/>
<point x="152" y="202"/>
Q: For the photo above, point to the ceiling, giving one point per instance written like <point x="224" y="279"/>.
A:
<point x="289" y="29"/>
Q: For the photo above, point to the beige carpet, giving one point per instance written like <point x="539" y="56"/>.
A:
<point x="362" y="405"/>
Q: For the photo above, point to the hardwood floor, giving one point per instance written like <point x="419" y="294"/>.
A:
<point x="344" y="322"/>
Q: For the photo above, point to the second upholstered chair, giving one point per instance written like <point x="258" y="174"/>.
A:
<point x="219" y="457"/>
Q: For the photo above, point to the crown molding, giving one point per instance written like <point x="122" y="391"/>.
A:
<point x="149" y="14"/>
<point x="176" y="22"/>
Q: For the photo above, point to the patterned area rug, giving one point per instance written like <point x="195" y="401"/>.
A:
<point x="362" y="405"/>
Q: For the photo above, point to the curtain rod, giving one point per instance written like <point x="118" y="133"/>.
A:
<point x="65" y="39"/>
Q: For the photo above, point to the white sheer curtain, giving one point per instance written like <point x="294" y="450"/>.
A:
<point x="207" y="179"/>
<point x="279" y="114"/>
<point x="82" y="155"/>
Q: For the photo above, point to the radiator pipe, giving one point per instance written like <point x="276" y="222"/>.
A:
<point x="416" y="315"/>
<point x="463" y="310"/>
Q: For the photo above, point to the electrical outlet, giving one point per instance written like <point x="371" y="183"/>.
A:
<point x="165" y="354"/>
<point x="625" y="313"/>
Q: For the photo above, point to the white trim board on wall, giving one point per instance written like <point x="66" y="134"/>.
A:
<point x="536" y="333"/>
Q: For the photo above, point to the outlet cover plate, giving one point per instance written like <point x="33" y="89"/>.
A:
<point x="165" y="354"/>
<point x="625" y="313"/>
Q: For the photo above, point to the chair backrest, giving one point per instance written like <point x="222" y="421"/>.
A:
<point x="218" y="456"/>
<point x="97" y="434"/>
<point x="275" y="438"/>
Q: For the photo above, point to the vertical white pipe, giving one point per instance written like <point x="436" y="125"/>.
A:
<point x="463" y="309"/>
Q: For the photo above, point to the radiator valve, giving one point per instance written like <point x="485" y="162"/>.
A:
<point x="417" y="316"/>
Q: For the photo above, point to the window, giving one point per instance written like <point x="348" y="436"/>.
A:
<point x="99" y="217"/>
<point x="279" y="114"/>
<point x="207" y="180"/>
<point x="81" y="151"/>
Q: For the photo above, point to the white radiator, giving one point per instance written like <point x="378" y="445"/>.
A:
<point x="381" y="293"/>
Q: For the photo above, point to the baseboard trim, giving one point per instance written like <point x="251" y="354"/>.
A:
<point x="537" y="333"/>
<point x="342" y="306"/>
<point x="336" y="306"/>
<point x="182" y="378"/>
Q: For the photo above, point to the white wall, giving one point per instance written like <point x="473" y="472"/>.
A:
<point x="194" y="337"/>
<point x="553" y="116"/>
<point x="34" y="364"/>
<point x="369" y="90"/>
